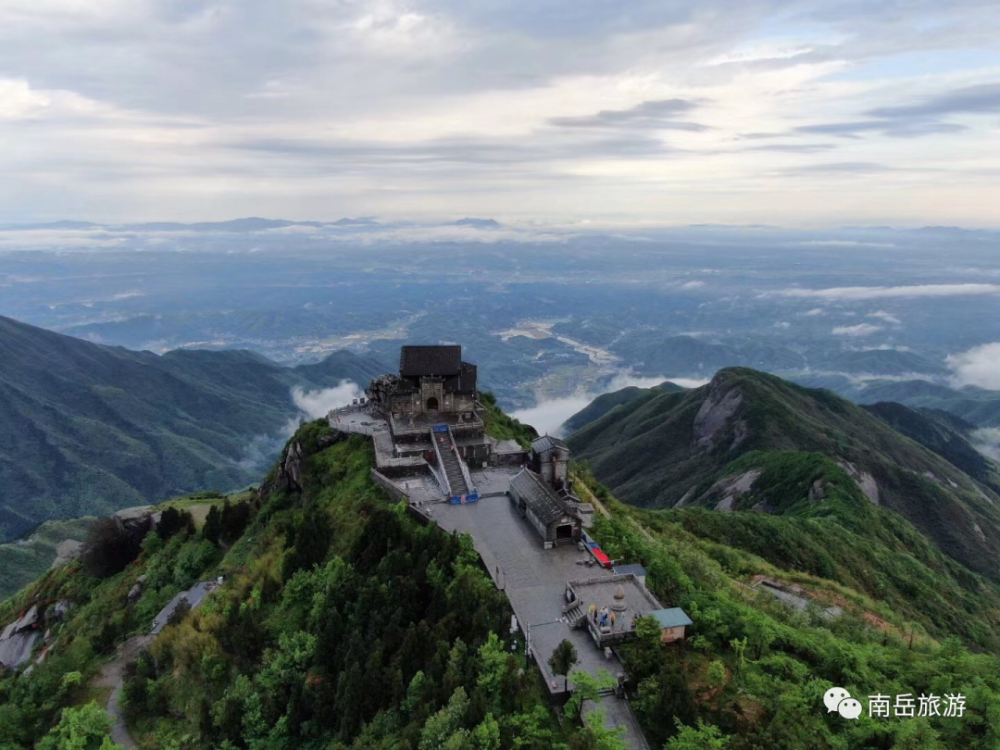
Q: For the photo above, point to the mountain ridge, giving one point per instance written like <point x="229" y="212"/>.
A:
<point x="667" y="450"/>
<point x="89" y="429"/>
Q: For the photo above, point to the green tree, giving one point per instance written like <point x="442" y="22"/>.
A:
<point x="702" y="737"/>
<point x="87" y="727"/>
<point x="444" y="728"/>
<point x="717" y="673"/>
<point x="587" y="687"/>
<point x="531" y="729"/>
<point x="564" y="658"/>
<point x="486" y="736"/>
<point x="213" y="525"/>
<point x="494" y="670"/>
<point x="601" y="737"/>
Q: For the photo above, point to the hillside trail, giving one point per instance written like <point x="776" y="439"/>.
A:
<point x="111" y="675"/>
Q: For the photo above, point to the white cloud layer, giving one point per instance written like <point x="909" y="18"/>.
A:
<point x="717" y="111"/>
<point x="549" y="415"/>
<point x="887" y="317"/>
<point x="316" y="404"/>
<point x="987" y="442"/>
<point x="978" y="366"/>
<point x="848" y="293"/>
<point x="862" y="329"/>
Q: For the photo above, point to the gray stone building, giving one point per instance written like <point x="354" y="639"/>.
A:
<point x="431" y="379"/>
<point x="548" y="513"/>
<point x="550" y="460"/>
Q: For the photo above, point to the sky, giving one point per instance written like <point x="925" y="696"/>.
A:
<point x="559" y="112"/>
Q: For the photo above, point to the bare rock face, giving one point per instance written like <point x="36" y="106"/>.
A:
<point x="864" y="480"/>
<point x="67" y="550"/>
<point x="817" y="491"/>
<point x="729" y="489"/>
<point x="291" y="467"/>
<point x="19" y="638"/>
<point x="716" y="418"/>
<point x="138" y="521"/>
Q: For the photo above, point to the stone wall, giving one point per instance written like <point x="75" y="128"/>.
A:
<point x="509" y="458"/>
<point x="395" y="493"/>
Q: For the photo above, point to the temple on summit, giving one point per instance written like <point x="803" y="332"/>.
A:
<point x="432" y="380"/>
<point x="427" y="425"/>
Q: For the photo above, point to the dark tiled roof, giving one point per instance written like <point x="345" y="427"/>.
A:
<point x="546" y="442"/>
<point x="538" y="496"/>
<point x="418" y="361"/>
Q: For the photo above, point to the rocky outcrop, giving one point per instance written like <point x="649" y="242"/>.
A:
<point x="19" y="637"/>
<point x="728" y="490"/>
<point x="135" y="593"/>
<point x="817" y="491"/>
<point x="864" y="480"/>
<point x="716" y="421"/>
<point x="291" y="466"/>
<point x="67" y="550"/>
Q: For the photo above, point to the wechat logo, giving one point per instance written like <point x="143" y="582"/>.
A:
<point x="839" y="700"/>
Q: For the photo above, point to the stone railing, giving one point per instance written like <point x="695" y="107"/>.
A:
<point x="354" y="428"/>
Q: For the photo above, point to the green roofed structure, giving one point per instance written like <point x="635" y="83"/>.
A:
<point x="673" y="622"/>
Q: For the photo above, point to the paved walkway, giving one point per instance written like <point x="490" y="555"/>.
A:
<point x="111" y="675"/>
<point x="534" y="580"/>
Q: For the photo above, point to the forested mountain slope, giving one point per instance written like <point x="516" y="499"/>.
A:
<point x="343" y="622"/>
<point x="87" y="429"/>
<point x="945" y="434"/>
<point x="608" y="401"/>
<point x="677" y="449"/>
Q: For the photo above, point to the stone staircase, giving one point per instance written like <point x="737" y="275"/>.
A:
<point x="575" y="615"/>
<point x="451" y="462"/>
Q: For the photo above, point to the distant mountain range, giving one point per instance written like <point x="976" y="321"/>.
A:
<point x="87" y="429"/>
<point x="977" y="406"/>
<point x="248" y="224"/>
<point x="712" y="446"/>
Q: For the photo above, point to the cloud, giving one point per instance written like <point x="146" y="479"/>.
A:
<point x="987" y="442"/>
<point x="548" y="416"/>
<point x="984" y="99"/>
<point x="316" y="404"/>
<point x="692" y="285"/>
<point x="845" y="167"/>
<point x="656" y="115"/>
<point x="814" y="312"/>
<point x="979" y="366"/>
<point x="689" y="382"/>
<point x="884" y="127"/>
<point x="862" y="329"/>
<point x="918" y="119"/>
<point x="557" y="110"/>
<point x="891" y="292"/>
<point x="887" y="317"/>
<point x="625" y="380"/>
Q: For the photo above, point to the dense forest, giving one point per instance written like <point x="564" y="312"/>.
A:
<point x="344" y="622"/>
